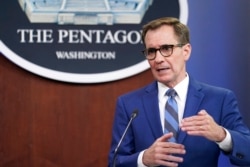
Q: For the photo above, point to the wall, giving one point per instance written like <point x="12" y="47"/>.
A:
<point x="49" y="123"/>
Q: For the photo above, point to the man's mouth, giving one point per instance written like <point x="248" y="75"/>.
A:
<point x="162" y="69"/>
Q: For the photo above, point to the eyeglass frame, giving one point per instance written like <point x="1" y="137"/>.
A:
<point x="159" y="49"/>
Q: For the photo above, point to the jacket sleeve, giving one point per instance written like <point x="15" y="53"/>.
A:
<point x="233" y="122"/>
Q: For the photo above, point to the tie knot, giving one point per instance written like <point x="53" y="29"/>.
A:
<point x="171" y="92"/>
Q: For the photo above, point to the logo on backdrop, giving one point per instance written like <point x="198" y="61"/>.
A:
<point x="80" y="41"/>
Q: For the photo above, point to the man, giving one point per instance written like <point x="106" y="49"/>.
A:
<point x="208" y="117"/>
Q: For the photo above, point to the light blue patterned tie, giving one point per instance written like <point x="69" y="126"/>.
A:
<point x="171" y="115"/>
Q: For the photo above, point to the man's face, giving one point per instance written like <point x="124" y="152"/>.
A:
<point x="167" y="70"/>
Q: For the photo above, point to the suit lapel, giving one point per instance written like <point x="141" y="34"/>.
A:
<point x="194" y="98"/>
<point x="150" y="101"/>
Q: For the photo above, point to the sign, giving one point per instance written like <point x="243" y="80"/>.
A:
<point x="81" y="41"/>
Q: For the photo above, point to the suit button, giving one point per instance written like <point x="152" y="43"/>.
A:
<point x="240" y="156"/>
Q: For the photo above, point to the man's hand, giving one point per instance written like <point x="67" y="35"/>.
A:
<point x="162" y="152"/>
<point x="203" y="125"/>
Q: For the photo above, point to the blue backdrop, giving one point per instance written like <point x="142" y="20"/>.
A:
<point x="221" y="47"/>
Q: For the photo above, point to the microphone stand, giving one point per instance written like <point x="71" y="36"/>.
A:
<point x="133" y="115"/>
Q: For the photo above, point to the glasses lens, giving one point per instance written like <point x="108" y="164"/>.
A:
<point x="166" y="50"/>
<point x="150" y="53"/>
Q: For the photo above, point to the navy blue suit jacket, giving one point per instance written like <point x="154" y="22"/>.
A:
<point x="220" y="103"/>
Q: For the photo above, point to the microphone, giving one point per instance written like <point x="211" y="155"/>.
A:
<point x="133" y="115"/>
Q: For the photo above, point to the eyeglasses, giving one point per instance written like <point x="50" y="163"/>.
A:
<point x="165" y="50"/>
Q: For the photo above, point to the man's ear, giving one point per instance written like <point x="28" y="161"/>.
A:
<point x="187" y="51"/>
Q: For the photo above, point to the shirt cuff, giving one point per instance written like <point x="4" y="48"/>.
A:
<point x="139" y="160"/>
<point x="226" y="144"/>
